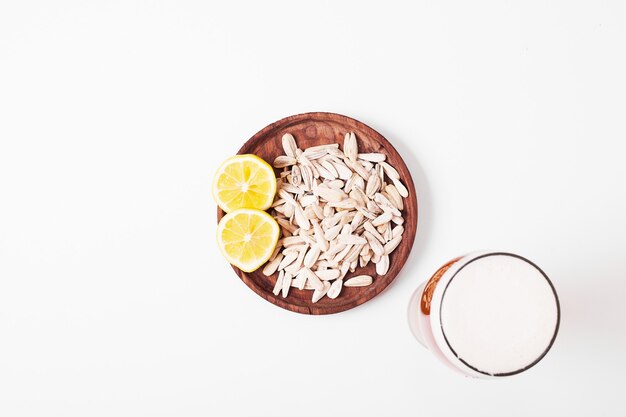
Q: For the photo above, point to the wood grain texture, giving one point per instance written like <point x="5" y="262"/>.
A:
<point x="310" y="129"/>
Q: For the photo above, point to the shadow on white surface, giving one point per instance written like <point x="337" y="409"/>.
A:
<point x="592" y="303"/>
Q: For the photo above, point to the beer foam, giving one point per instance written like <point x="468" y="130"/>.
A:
<point x="499" y="314"/>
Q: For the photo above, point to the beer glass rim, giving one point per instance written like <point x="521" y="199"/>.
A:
<point x="436" y="319"/>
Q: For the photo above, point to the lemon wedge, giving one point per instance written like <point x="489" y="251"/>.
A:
<point x="244" y="181"/>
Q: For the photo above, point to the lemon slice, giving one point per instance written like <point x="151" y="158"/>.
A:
<point x="244" y="181"/>
<point x="247" y="238"/>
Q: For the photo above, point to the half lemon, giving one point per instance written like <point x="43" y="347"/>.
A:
<point x="247" y="238"/>
<point x="244" y="181"/>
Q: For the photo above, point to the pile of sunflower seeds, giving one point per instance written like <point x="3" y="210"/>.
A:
<point x="337" y="210"/>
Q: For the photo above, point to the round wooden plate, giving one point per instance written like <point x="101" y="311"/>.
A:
<point x="311" y="129"/>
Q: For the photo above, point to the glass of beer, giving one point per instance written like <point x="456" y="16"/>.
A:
<point x="486" y="314"/>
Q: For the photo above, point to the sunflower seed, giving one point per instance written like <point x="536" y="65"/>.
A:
<point x="319" y="293"/>
<point x="382" y="201"/>
<point x="328" y="147"/>
<point x="278" y="202"/>
<point x="383" y="266"/>
<point x="301" y="218"/>
<point x="307" y="200"/>
<point x="364" y="260"/>
<point x="371" y="229"/>
<point x="341" y="255"/>
<point x="288" y="260"/>
<point x="319" y="236"/>
<point x="313" y="279"/>
<point x="392" y="244"/>
<point x="358" y="168"/>
<point x="328" y="274"/>
<point x="332" y="232"/>
<point x="335" y="289"/>
<point x="394" y="196"/>
<point x="398" y="220"/>
<point x="400" y="187"/>
<point x="358" y="281"/>
<point x="279" y="245"/>
<point x="289" y="145"/>
<point x="292" y="240"/>
<point x="323" y="265"/>
<point x="373" y="185"/>
<point x="286" y="284"/>
<point x="290" y="188"/>
<point x="297" y="264"/>
<point x="353" y="255"/>
<point x="350" y="183"/>
<point x="272" y="266"/>
<point x="329" y="194"/>
<point x="376" y="258"/>
<point x="387" y="233"/>
<point x="294" y="249"/>
<point x="278" y="286"/>
<point x="381" y="174"/>
<point x="375" y="245"/>
<point x="346" y="203"/>
<point x="344" y="269"/>
<point x="359" y="197"/>
<point x="352" y="239"/>
<point x="359" y="183"/>
<point x="287" y="197"/>
<point x="296" y="176"/>
<point x="333" y="250"/>
<point x="373" y="207"/>
<point x="307" y="177"/>
<point x="289" y="211"/>
<point x="335" y="184"/>
<point x="382" y="219"/>
<point x="325" y="173"/>
<point x="284" y="161"/>
<point x="336" y="152"/>
<point x="394" y="211"/>
<point x="299" y="281"/>
<point x="330" y="168"/>
<point x="357" y="220"/>
<point x="350" y="147"/>
<point x="314" y="154"/>
<point x="319" y="212"/>
<point x="372" y="157"/>
<point x="367" y="213"/>
<point x="334" y="219"/>
<point x="343" y="172"/>
<point x="390" y="171"/>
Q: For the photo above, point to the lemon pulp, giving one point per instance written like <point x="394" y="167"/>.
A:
<point x="247" y="238"/>
<point x="244" y="181"/>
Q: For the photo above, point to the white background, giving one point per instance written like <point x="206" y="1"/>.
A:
<point x="114" y="300"/>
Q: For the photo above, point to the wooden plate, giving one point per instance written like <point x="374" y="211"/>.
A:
<point x="312" y="129"/>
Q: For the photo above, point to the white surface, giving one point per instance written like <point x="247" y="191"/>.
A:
<point x="113" y="115"/>
<point x="499" y="314"/>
